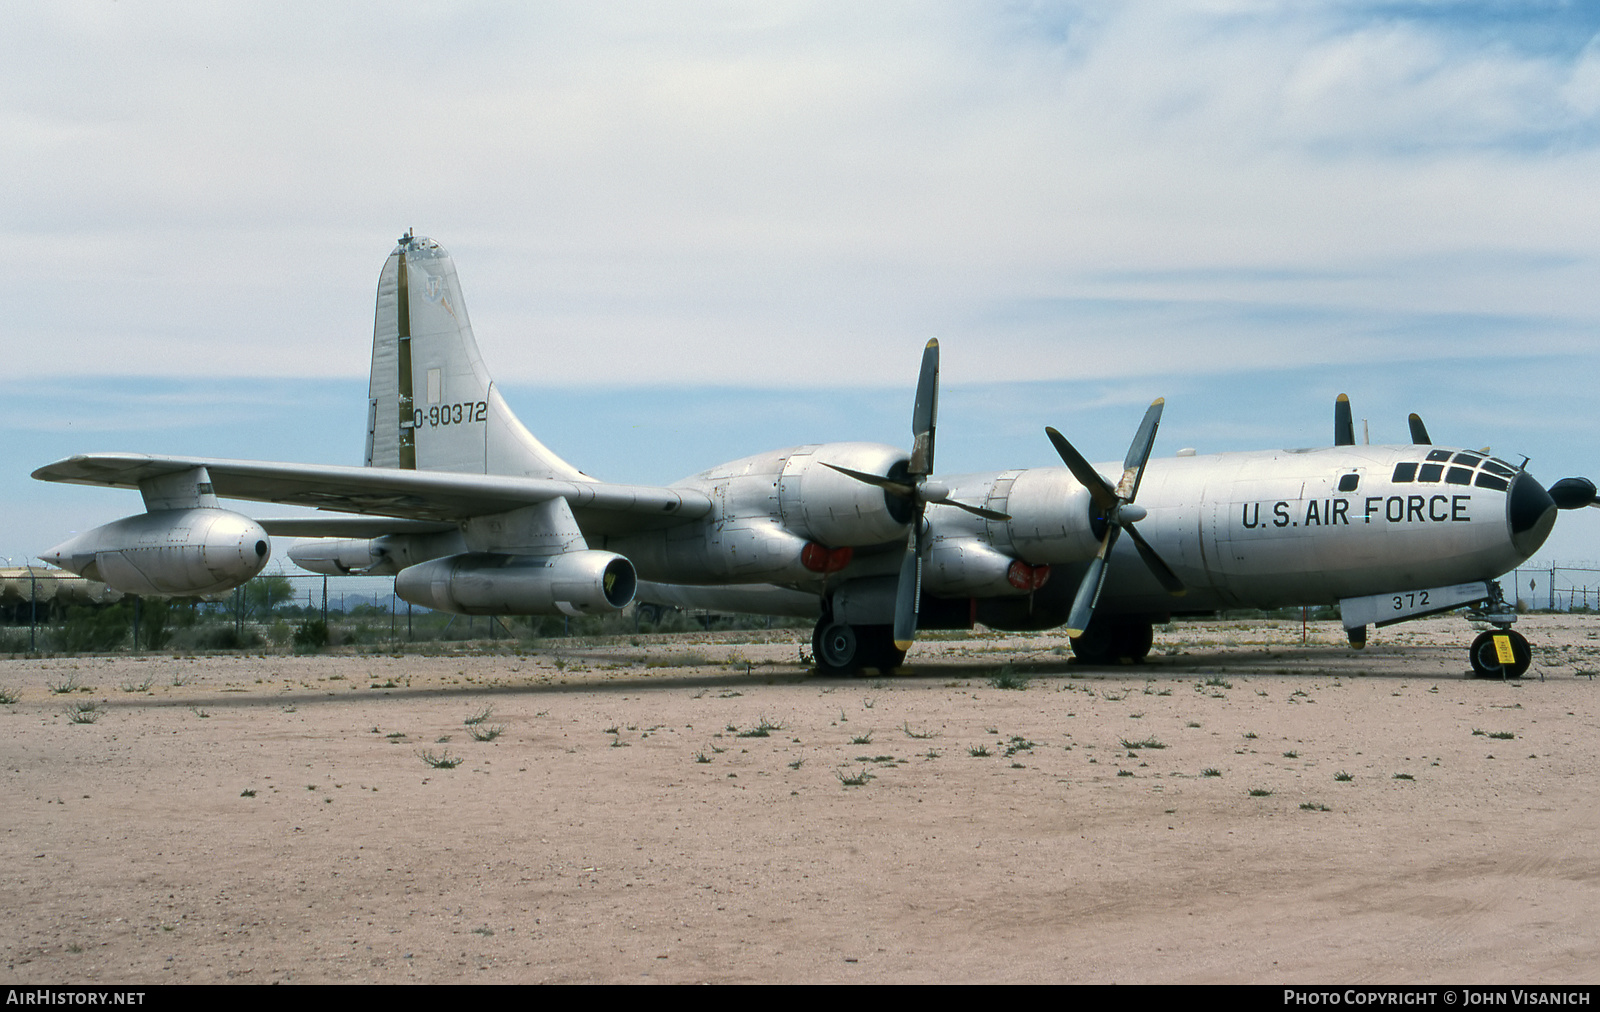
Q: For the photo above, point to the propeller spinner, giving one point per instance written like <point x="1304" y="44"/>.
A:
<point x="1117" y="507"/>
<point x="1574" y="493"/>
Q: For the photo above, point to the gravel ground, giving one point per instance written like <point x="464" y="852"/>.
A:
<point x="1248" y="806"/>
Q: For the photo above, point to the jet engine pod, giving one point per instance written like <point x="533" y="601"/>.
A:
<point x="383" y="556"/>
<point x="336" y="557"/>
<point x="169" y="553"/>
<point x="480" y="583"/>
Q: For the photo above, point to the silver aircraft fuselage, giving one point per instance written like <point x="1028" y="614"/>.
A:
<point x="1260" y="529"/>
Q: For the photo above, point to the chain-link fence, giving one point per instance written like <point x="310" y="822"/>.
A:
<point x="299" y="612"/>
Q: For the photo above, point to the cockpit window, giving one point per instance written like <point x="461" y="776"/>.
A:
<point x="1463" y="468"/>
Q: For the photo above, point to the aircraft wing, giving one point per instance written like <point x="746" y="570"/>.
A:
<point x="437" y="497"/>
<point x="324" y="526"/>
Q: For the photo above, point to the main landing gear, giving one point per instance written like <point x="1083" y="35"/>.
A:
<point x="843" y="649"/>
<point x="1114" y="639"/>
<point x="1500" y="652"/>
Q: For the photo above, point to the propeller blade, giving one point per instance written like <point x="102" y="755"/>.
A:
<point x="925" y="413"/>
<point x="977" y="511"/>
<point x="890" y="485"/>
<point x="1574" y="493"/>
<point x="1088" y="595"/>
<point x="1419" y="432"/>
<point x="1100" y="490"/>
<point x="906" y="594"/>
<point x="1158" y="566"/>
<point x="1344" y="429"/>
<point x="1139" y="451"/>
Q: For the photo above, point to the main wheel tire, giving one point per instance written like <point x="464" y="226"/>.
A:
<point x="1120" y="639"/>
<point x="835" y="648"/>
<point x="1134" y="639"/>
<point x="875" y="648"/>
<point x="1486" y="662"/>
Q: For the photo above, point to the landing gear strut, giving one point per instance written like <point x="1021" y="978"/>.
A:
<point x="1500" y="652"/>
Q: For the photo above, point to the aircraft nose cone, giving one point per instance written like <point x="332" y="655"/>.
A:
<point x="1531" y="513"/>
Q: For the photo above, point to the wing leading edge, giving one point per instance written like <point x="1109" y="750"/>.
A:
<point x="438" y="497"/>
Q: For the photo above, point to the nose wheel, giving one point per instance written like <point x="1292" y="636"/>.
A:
<point x="1500" y="653"/>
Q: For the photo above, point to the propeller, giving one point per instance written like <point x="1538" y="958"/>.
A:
<point x="1574" y="493"/>
<point x="1117" y="507"/>
<point x="916" y="486"/>
<point x="923" y="492"/>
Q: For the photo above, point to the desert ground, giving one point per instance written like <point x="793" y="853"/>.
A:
<point x="1244" y="807"/>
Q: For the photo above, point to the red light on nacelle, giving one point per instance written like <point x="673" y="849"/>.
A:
<point x="819" y="559"/>
<point x="1025" y="577"/>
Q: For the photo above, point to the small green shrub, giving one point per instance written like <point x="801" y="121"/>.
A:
<point x="312" y="634"/>
<point x="439" y="761"/>
<point x="1009" y="678"/>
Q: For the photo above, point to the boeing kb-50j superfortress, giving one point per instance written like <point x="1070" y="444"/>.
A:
<point x="474" y="515"/>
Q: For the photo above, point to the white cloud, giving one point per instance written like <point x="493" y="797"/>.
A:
<point x="645" y="194"/>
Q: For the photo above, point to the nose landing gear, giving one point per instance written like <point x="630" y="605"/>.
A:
<point x="1500" y="652"/>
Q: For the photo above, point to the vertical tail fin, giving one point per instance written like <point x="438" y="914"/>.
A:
<point x="432" y="405"/>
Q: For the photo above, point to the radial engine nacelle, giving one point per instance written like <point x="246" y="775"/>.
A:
<point x="174" y="553"/>
<point x="817" y="501"/>
<point x="481" y="583"/>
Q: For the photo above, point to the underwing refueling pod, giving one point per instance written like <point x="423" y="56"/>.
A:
<point x="184" y="544"/>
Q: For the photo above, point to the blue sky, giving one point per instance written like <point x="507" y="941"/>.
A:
<point x="694" y="231"/>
